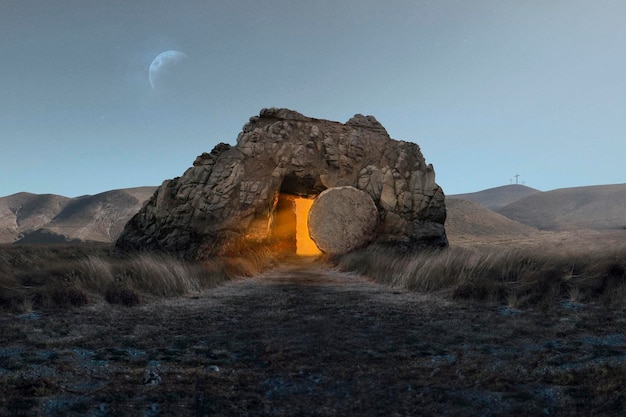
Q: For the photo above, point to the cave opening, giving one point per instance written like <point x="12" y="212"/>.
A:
<point x="290" y="225"/>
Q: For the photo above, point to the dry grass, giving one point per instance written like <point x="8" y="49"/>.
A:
<point x="34" y="277"/>
<point x="63" y="276"/>
<point x="519" y="278"/>
<point x="305" y="339"/>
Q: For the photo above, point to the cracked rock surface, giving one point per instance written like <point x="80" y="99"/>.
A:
<point x="229" y="195"/>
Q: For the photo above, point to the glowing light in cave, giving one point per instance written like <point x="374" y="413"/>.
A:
<point x="305" y="246"/>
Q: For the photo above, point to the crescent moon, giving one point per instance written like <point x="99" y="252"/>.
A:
<point x="163" y="63"/>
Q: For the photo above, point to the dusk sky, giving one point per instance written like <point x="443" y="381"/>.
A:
<point x="487" y="88"/>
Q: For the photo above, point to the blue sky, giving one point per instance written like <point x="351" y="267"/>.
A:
<point x="487" y="88"/>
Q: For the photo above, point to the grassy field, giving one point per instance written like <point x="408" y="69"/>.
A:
<point x="530" y="277"/>
<point x="86" y="331"/>
<point x="34" y="277"/>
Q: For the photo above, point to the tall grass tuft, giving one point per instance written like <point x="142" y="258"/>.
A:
<point x="531" y="277"/>
<point x="64" y="276"/>
<point x="159" y="275"/>
<point x="96" y="273"/>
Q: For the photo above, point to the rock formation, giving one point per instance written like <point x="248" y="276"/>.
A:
<point x="228" y="200"/>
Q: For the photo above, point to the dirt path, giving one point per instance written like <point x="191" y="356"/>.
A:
<point x="306" y="340"/>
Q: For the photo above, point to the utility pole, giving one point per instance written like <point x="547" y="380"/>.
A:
<point x="516" y="178"/>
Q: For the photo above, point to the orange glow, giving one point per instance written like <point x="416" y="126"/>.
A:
<point x="304" y="244"/>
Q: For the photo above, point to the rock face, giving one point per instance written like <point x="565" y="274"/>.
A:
<point x="342" y="219"/>
<point x="227" y="200"/>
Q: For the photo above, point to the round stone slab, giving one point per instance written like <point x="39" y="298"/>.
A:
<point x="342" y="219"/>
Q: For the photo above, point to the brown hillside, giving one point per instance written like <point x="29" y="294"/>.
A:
<point x="471" y="222"/>
<point x="597" y="207"/>
<point x="495" y="198"/>
<point x="32" y="218"/>
<point x="100" y="217"/>
<point x="24" y="212"/>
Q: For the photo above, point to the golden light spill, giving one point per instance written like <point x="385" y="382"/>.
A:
<point x="304" y="244"/>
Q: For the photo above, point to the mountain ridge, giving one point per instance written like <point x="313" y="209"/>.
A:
<point x="48" y="218"/>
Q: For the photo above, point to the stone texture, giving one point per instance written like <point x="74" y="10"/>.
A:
<point x="227" y="199"/>
<point x="342" y="219"/>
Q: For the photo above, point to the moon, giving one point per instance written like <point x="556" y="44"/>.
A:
<point x="164" y="68"/>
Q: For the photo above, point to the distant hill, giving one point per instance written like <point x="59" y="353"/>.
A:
<point x="517" y="212"/>
<point x="468" y="221"/>
<point x="48" y="218"/>
<point x="599" y="207"/>
<point x="24" y="213"/>
<point x="498" y="197"/>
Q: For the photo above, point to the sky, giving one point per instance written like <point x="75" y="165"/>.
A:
<point x="489" y="89"/>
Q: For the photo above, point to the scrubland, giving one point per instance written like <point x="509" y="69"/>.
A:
<point x="531" y="277"/>
<point x="34" y="277"/>
<point x="493" y="331"/>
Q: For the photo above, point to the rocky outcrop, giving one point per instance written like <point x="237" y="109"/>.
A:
<point x="227" y="199"/>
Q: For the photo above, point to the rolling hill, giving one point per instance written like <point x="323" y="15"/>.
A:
<point x="600" y="207"/>
<point x="498" y="197"/>
<point x="470" y="223"/>
<point x="24" y="213"/>
<point x="47" y="218"/>
<point x="469" y="218"/>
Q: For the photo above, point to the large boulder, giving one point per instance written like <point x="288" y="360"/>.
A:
<point x="227" y="200"/>
<point x="342" y="219"/>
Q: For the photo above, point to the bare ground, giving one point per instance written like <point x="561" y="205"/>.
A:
<point x="307" y="340"/>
